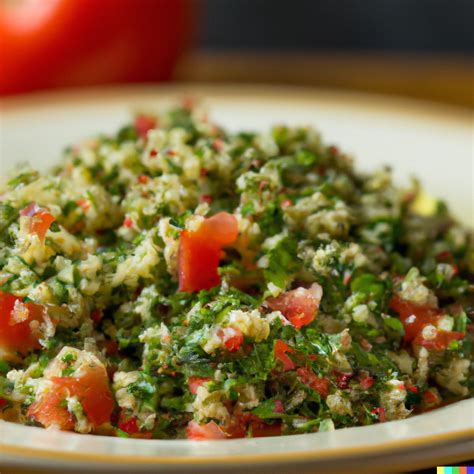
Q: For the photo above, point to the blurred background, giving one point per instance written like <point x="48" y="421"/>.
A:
<point x="415" y="48"/>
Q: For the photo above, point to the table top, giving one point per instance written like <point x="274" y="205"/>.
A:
<point x="441" y="78"/>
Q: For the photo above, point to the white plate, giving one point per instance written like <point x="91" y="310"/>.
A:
<point x="432" y="142"/>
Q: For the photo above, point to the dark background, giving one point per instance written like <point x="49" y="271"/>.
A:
<point x="434" y="26"/>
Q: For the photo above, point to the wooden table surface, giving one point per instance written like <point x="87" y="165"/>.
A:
<point x="441" y="78"/>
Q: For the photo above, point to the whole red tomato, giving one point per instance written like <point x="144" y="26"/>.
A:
<point x="50" y="43"/>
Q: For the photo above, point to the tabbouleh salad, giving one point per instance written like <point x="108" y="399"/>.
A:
<point x="175" y="280"/>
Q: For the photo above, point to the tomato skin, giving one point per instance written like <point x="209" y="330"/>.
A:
<point x="18" y="336"/>
<point x="129" y="425"/>
<point x="430" y="397"/>
<point x="70" y="43"/>
<point x="144" y="123"/>
<point x="319" y="384"/>
<point x="49" y="410"/>
<point x="91" y="388"/>
<point x="233" y="338"/>
<point x="40" y="220"/>
<point x="262" y="429"/>
<point x="299" y="306"/>
<point x="414" y="317"/>
<point x="200" y="252"/>
<point x="366" y="382"/>
<point x="281" y="348"/>
<point x="279" y="407"/>
<point x="195" y="382"/>
<point x="441" y="341"/>
<point x="197" y="432"/>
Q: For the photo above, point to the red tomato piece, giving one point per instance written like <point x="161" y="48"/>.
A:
<point x="244" y="422"/>
<point x="206" y="198"/>
<point x="299" y="306"/>
<point x="63" y="43"/>
<point x="198" y="432"/>
<point x="232" y="337"/>
<point x="111" y="346"/>
<point x="84" y="204"/>
<point x="200" y="252"/>
<point x="19" y="324"/>
<point x="342" y="380"/>
<point x="49" y="410"/>
<point x="279" y="407"/>
<point x="281" y="348"/>
<point x="430" y="397"/>
<point x="195" y="382"/>
<point x="260" y="429"/>
<point x="129" y="425"/>
<point x="96" y="315"/>
<point x="441" y="341"/>
<point x="40" y="220"/>
<point x="380" y="412"/>
<point x="366" y="381"/>
<point x="414" y="317"/>
<point x="319" y="384"/>
<point x="93" y="391"/>
<point x="144" y="123"/>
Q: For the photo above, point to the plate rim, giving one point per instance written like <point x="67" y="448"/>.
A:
<point x="298" y="94"/>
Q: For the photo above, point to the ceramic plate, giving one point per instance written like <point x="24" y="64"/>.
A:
<point x="432" y="142"/>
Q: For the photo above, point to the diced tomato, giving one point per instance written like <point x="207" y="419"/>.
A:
<point x="19" y="324"/>
<point x="342" y="379"/>
<point x="232" y="337"/>
<point x="366" y="381"/>
<point x="128" y="222"/>
<point x="380" y="412"/>
<point x="441" y="341"/>
<point x="128" y="424"/>
<point x="195" y="382"/>
<point x="281" y="348"/>
<point x="414" y="317"/>
<point x="91" y="388"/>
<point x="279" y="407"/>
<point x="50" y="410"/>
<point x="200" y="252"/>
<point x="84" y="204"/>
<point x="111" y="346"/>
<point x="3" y="402"/>
<point x="244" y="422"/>
<point x="30" y="210"/>
<point x="347" y="278"/>
<point x="299" y="306"/>
<point x="144" y="123"/>
<point x="319" y="384"/>
<point x="206" y="198"/>
<point x="40" y="220"/>
<point x="365" y="344"/>
<point x="261" y="429"/>
<point x="430" y="397"/>
<point x="96" y="315"/>
<point x="143" y="179"/>
<point x="218" y="144"/>
<point x="198" y="432"/>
